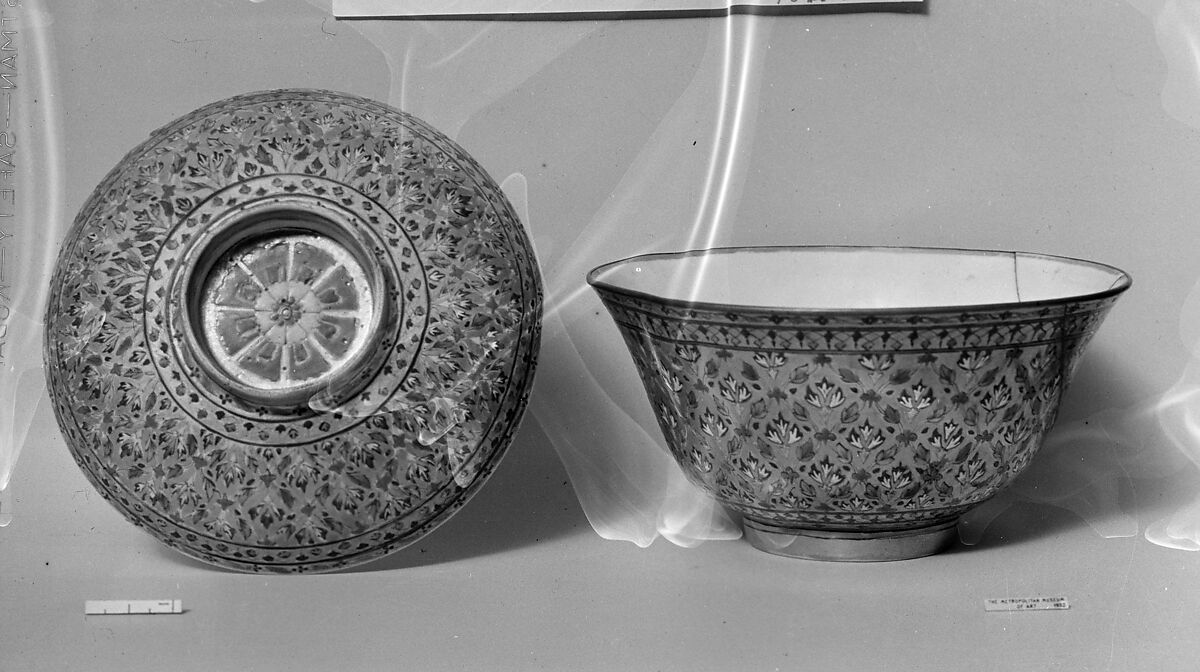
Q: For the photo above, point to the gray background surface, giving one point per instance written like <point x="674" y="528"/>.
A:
<point x="1012" y="125"/>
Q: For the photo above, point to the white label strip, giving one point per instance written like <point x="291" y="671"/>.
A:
<point x="1026" y="604"/>
<point x="400" y="8"/>
<point x="131" y="607"/>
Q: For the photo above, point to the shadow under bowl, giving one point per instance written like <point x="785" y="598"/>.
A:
<point x="851" y="403"/>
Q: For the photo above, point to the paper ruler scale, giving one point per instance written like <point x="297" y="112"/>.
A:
<point x="131" y="607"/>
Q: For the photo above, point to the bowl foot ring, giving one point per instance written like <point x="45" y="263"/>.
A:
<point x="877" y="546"/>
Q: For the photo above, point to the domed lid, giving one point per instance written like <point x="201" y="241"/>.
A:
<point x="293" y="331"/>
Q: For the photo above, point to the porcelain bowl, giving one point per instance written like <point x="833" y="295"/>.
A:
<point x="293" y="331"/>
<point x="851" y="403"/>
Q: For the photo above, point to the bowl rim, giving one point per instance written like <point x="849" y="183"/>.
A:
<point x="1124" y="281"/>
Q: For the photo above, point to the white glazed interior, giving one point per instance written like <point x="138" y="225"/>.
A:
<point x="857" y="278"/>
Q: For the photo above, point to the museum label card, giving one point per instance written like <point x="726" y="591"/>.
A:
<point x="518" y="8"/>
<point x="1026" y="604"/>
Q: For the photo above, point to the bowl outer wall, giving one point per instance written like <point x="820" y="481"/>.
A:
<point x="854" y="420"/>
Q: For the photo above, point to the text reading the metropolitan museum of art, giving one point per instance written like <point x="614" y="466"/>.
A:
<point x="1026" y="604"/>
<point x="8" y="166"/>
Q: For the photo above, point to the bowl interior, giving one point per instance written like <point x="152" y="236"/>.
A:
<point x="854" y="278"/>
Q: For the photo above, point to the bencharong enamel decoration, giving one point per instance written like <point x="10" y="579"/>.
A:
<point x="851" y="403"/>
<point x="293" y="331"/>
